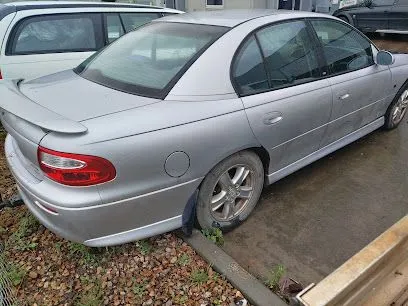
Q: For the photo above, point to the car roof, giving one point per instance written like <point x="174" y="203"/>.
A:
<point x="28" y="5"/>
<point x="232" y="18"/>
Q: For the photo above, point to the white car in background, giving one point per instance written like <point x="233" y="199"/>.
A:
<point x="40" y="38"/>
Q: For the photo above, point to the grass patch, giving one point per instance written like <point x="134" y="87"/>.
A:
<point x="58" y="246"/>
<point x="144" y="247"/>
<point x="214" y="234"/>
<point x="84" y="252"/>
<point x="181" y="300"/>
<point x="93" y="296"/>
<point x="199" y="277"/>
<point x="15" y="274"/>
<point x="275" y="275"/>
<point x="28" y="225"/>
<point x="184" y="260"/>
<point x="139" y="289"/>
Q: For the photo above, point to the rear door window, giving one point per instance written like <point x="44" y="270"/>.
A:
<point x="56" y="34"/>
<point x="249" y="72"/>
<point x="132" y="21"/>
<point x="277" y="56"/>
<point x="290" y="55"/>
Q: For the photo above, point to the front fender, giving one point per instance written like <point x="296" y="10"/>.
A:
<point x="399" y="71"/>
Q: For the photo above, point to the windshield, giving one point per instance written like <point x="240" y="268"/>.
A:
<point x="147" y="61"/>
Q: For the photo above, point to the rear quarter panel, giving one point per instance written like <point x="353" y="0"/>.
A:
<point x="139" y="141"/>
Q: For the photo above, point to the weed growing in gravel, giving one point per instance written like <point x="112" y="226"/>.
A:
<point x="58" y="246"/>
<point x="144" y="247"/>
<point x="139" y="289"/>
<point x="275" y="275"/>
<point x="214" y="234"/>
<point x="215" y="276"/>
<point x="26" y="246"/>
<point x="83" y="251"/>
<point x="28" y="225"/>
<point x="181" y="300"/>
<point x="15" y="274"/>
<point x="184" y="260"/>
<point x="93" y="296"/>
<point x="199" y="277"/>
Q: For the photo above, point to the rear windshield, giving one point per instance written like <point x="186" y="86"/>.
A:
<point x="151" y="59"/>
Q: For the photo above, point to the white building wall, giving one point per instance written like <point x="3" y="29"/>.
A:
<point x="199" y="5"/>
<point x="259" y="4"/>
<point x="238" y="4"/>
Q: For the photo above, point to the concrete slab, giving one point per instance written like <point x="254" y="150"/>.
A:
<point x="317" y="218"/>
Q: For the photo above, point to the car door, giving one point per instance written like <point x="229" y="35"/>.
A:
<point x="360" y="87"/>
<point x="374" y="16"/>
<point x="398" y="17"/>
<point x="277" y="74"/>
<point x="38" y="45"/>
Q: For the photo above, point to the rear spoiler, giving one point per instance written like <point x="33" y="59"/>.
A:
<point x="15" y="102"/>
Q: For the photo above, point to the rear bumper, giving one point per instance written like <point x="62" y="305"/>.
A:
<point x="101" y="224"/>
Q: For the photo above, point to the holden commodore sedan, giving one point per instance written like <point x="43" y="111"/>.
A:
<point x="190" y="116"/>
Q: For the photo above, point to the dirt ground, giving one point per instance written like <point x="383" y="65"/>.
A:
<point x="391" y="42"/>
<point x="315" y="219"/>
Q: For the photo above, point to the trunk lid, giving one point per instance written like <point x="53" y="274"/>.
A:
<point x="56" y="103"/>
<point x="78" y="99"/>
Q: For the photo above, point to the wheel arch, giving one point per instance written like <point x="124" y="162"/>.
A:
<point x="189" y="213"/>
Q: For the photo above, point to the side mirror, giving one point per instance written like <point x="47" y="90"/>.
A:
<point x="368" y="3"/>
<point x="385" y="58"/>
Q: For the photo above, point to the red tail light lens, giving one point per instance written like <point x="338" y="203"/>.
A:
<point x="75" y="169"/>
<point x="1" y="77"/>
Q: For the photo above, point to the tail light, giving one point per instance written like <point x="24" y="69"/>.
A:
<point x="1" y="77"/>
<point x="75" y="169"/>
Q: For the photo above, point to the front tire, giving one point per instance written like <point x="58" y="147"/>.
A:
<point x="397" y="109"/>
<point x="230" y="191"/>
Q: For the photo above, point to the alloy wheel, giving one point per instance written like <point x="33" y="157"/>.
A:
<point x="400" y="108"/>
<point x="232" y="193"/>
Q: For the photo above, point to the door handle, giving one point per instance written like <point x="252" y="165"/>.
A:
<point x="344" y="97"/>
<point x="272" y="118"/>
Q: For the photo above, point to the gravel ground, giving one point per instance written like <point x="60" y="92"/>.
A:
<point x="48" y="270"/>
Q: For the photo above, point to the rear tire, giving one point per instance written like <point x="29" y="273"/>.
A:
<point x="397" y="109"/>
<point x="230" y="191"/>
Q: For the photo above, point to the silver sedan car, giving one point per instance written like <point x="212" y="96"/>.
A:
<point x="190" y="116"/>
